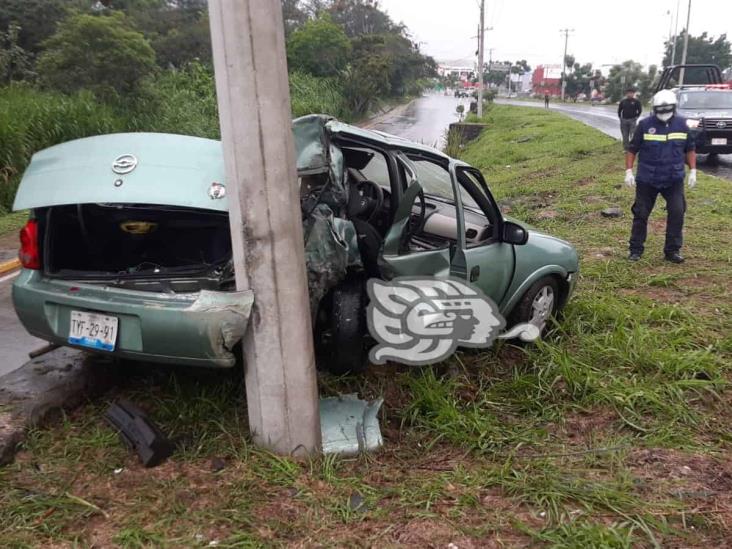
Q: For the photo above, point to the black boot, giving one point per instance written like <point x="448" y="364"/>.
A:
<point x="674" y="257"/>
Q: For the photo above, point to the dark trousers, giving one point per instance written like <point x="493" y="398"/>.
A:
<point x="627" y="129"/>
<point x="645" y="199"/>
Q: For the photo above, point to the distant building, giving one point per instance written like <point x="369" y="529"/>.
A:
<point x="547" y="80"/>
<point x="522" y="83"/>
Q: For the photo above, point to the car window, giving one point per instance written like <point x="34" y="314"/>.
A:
<point x="377" y="170"/>
<point x="705" y="100"/>
<point x="435" y="180"/>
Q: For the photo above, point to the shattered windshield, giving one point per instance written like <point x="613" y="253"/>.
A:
<point x="705" y="100"/>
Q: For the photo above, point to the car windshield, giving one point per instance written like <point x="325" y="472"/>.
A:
<point x="706" y="100"/>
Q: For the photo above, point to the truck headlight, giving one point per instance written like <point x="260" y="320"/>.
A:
<point x="692" y="123"/>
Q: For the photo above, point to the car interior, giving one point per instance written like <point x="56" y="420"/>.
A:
<point x="433" y="222"/>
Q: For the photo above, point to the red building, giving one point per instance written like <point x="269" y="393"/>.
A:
<point x="547" y="79"/>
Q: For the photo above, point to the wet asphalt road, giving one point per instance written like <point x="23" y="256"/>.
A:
<point x="15" y="342"/>
<point x="604" y="118"/>
<point x="424" y="120"/>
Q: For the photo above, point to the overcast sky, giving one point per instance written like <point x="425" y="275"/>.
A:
<point x="604" y="32"/>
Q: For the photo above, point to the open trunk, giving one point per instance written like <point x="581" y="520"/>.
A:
<point x="141" y="247"/>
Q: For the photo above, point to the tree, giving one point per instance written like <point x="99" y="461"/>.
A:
<point x="359" y="17"/>
<point x="15" y="62"/>
<point x="702" y="49"/>
<point x="96" y="52"/>
<point x="647" y="82"/>
<point x="579" y="78"/>
<point x="35" y="19"/>
<point x="293" y="15"/>
<point x="627" y="74"/>
<point x="319" y="47"/>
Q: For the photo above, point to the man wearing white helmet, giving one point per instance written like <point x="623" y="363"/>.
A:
<point x="663" y="145"/>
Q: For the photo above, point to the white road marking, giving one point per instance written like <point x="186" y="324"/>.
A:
<point x="10" y="276"/>
<point x="588" y="113"/>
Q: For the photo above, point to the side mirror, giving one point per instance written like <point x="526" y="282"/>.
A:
<point x="514" y="233"/>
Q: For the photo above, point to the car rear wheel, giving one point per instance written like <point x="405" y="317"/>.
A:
<point x="538" y="305"/>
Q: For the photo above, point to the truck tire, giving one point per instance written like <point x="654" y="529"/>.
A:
<point x="341" y="333"/>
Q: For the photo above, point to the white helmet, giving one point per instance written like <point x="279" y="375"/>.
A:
<point x="664" y="105"/>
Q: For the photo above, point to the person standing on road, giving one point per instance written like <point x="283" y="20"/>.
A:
<point x="629" y="109"/>
<point x="662" y="143"/>
<point x="546" y="100"/>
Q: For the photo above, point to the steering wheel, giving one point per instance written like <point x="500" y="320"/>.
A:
<point x="416" y="224"/>
<point x="369" y="199"/>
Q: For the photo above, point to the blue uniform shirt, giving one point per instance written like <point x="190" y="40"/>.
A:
<point x="661" y="148"/>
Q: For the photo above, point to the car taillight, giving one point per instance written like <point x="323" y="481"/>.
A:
<point x="30" y="253"/>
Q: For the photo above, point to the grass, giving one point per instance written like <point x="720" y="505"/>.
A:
<point x="612" y="432"/>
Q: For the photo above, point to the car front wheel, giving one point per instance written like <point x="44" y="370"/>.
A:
<point x="538" y="305"/>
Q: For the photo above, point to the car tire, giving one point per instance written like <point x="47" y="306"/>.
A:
<point x="342" y="331"/>
<point x="538" y="305"/>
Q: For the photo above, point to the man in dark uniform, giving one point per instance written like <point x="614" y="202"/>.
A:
<point x="663" y="143"/>
<point x="629" y="109"/>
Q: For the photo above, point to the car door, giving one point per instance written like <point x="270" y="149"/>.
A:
<point x="488" y="263"/>
<point x="397" y="258"/>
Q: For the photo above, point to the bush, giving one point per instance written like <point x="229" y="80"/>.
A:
<point x="319" y="47"/>
<point x="175" y="101"/>
<point x="31" y="120"/>
<point x="179" y="101"/>
<point x="98" y="53"/>
<point x="310" y="94"/>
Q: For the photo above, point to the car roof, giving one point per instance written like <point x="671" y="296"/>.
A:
<point x="336" y="127"/>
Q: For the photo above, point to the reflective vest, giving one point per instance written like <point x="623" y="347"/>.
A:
<point x="662" y="150"/>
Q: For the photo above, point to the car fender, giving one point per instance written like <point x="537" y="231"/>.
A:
<point x="514" y="295"/>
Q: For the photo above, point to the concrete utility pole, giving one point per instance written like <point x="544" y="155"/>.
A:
<point x="481" y="48"/>
<point x="264" y="213"/>
<point x="564" y="57"/>
<point x="676" y="34"/>
<point x="686" y="45"/>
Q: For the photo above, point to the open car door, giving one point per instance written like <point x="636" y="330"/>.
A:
<point x="399" y="257"/>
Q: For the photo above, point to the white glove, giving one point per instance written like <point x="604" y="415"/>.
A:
<point x="692" y="178"/>
<point x="630" y="178"/>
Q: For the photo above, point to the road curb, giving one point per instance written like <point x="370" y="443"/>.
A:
<point x="8" y="266"/>
<point x="61" y="379"/>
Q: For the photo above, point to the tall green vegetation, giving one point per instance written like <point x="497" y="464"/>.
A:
<point x="31" y="120"/>
<point x="74" y="68"/>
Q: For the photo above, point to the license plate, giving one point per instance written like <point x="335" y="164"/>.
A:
<point x="93" y="330"/>
<point x="719" y="140"/>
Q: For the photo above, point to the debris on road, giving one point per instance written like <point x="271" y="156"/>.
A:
<point x="139" y="433"/>
<point x="350" y="425"/>
<point x="612" y="212"/>
<point x="60" y="379"/>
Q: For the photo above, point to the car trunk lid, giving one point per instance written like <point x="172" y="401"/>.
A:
<point x="163" y="169"/>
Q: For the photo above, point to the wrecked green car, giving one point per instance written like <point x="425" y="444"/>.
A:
<point x="127" y="249"/>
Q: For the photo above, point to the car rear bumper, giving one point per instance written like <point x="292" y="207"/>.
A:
<point x="194" y="329"/>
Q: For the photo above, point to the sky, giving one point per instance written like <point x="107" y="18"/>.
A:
<point x="604" y="32"/>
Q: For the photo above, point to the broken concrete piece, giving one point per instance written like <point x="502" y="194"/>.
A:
<point x="63" y="378"/>
<point x="350" y="425"/>
<point x="612" y="212"/>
